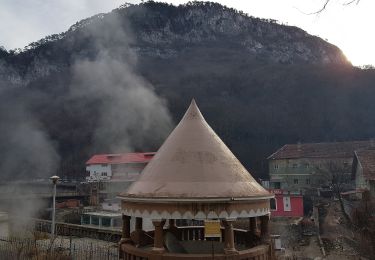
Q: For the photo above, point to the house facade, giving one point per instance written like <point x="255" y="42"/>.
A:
<point x="312" y="165"/>
<point x="286" y="203"/>
<point x="111" y="173"/>
<point x="364" y="171"/>
<point x="124" y="167"/>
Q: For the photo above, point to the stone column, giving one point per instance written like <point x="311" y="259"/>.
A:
<point x="229" y="236"/>
<point x="264" y="231"/>
<point x="173" y="229"/>
<point x="253" y="225"/>
<point x="125" y="227"/>
<point x="158" y="236"/>
<point x="172" y="224"/>
<point x="137" y="234"/>
<point x="138" y="224"/>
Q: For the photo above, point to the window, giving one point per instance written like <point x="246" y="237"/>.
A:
<point x="286" y="202"/>
<point x="106" y="222"/>
<point x="307" y="181"/>
<point x="95" y="220"/>
<point x="103" y="165"/>
<point x="295" y="181"/>
<point x="86" y="219"/>
<point x="295" y="165"/>
<point x="273" y="204"/>
<point x="104" y="174"/>
<point x="277" y="185"/>
<point x="276" y="166"/>
<point x="307" y="165"/>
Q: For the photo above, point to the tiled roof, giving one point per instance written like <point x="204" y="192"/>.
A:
<point x="120" y="158"/>
<point x="320" y="150"/>
<point x="367" y="160"/>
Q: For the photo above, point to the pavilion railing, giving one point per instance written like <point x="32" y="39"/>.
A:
<point x="252" y="251"/>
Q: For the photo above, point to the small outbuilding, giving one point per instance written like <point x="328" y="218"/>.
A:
<point x="194" y="176"/>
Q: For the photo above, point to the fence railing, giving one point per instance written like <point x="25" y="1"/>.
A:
<point x="59" y="249"/>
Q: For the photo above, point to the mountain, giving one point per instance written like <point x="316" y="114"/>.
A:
<point x="118" y="82"/>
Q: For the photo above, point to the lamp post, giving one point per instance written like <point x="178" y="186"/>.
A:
<point x="54" y="181"/>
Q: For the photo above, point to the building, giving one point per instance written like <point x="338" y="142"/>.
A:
<point x="195" y="176"/>
<point x="110" y="174"/>
<point x="364" y="171"/>
<point x="286" y="204"/>
<point x="102" y="219"/>
<point x="312" y="165"/>
<point x="125" y="167"/>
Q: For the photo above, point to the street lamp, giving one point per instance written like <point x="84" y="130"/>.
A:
<point x="54" y="181"/>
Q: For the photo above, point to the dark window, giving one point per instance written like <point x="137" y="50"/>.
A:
<point x="273" y="204"/>
<point x="307" y="181"/>
<point x="295" y="181"/>
<point x="95" y="220"/>
<point x="276" y="185"/>
<point x="276" y="166"/>
<point x="295" y="165"/>
<point x="85" y="219"/>
<point x="307" y="165"/>
<point x="106" y="222"/>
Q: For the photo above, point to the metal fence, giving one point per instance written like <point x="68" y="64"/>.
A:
<point x="62" y="248"/>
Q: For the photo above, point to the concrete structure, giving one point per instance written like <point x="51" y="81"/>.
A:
<point x="286" y="204"/>
<point x="195" y="176"/>
<point x="312" y="165"/>
<point x="364" y="171"/>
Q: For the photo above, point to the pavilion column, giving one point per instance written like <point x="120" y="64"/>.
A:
<point x="173" y="229"/>
<point x="136" y="235"/>
<point x="171" y="223"/>
<point x="138" y="224"/>
<point x="253" y="225"/>
<point x="125" y="227"/>
<point x="158" y="235"/>
<point x="264" y="230"/>
<point x="229" y="236"/>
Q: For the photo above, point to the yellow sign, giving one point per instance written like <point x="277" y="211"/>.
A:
<point x="212" y="228"/>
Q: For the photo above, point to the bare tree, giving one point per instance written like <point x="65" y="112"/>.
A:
<point x="326" y="2"/>
<point x="337" y="173"/>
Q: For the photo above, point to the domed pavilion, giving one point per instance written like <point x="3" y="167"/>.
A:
<point x="194" y="176"/>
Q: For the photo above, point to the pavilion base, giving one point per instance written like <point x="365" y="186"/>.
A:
<point x="129" y="251"/>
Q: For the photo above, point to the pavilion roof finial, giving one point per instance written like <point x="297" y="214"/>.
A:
<point x="193" y="112"/>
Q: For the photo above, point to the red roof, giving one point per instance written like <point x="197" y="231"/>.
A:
<point x="120" y="158"/>
<point x="320" y="150"/>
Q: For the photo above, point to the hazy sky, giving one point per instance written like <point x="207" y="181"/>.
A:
<point x="349" y="27"/>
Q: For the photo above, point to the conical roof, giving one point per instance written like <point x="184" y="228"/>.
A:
<point x="195" y="164"/>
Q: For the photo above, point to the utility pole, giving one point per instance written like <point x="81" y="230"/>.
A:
<point x="54" y="181"/>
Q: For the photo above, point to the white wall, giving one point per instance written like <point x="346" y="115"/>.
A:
<point x="96" y="171"/>
<point x="111" y="206"/>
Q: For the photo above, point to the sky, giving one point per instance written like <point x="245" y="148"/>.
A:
<point x="350" y="27"/>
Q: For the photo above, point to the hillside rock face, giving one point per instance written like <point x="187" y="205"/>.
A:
<point x="167" y="27"/>
<point x="117" y="82"/>
<point x="165" y="31"/>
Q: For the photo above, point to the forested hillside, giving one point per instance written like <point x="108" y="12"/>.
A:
<point x="120" y="81"/>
